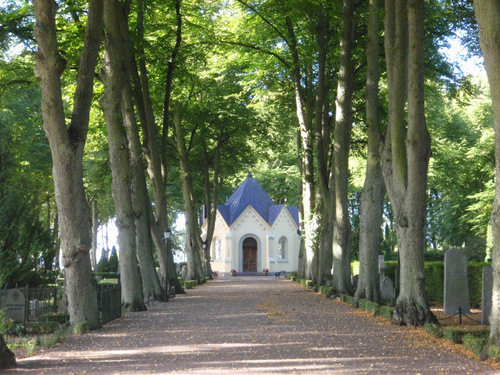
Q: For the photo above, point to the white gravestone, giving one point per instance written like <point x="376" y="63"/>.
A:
<point x="387" y="288"/>
<point x="15" y="305"/>
<point x="456" y="283"/>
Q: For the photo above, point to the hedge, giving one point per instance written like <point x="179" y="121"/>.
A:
<point x="434" y="275"/>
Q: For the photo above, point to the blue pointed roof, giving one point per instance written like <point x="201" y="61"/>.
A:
<point x="251" y="193"/>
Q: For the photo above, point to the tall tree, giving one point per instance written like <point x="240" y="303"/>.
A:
<point x="372" y="197"/>
<point x="67" y="145"/>
<point x="193" y="242"/>
<point x="156" y="142"/>
<point x="406" y="153"/>
<point x="115" y="74"/>
<point x="341" y="146"/>
<point x="487" y="14"/>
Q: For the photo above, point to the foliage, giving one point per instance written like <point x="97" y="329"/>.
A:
<point x="494" y="353"/>
<point x="474" y="343"/>
<point x="113" y="261"/>
<point x="454" y="335"/>
<point x="81" y="328"/>
<point x="369" y="306"/>
<point x="433" y="330"/>
<point x="434" y="280"/>
<point x="103" y="265"/>
<point x="475" y="279"/>
<point x="386" y="312"/>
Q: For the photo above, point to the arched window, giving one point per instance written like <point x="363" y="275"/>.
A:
<point x="282" y="248"/>
<point x="218" y="249"/>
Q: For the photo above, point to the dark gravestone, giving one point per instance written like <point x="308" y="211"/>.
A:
<point x="456" y="284"/>
<point x="486" y="294"/>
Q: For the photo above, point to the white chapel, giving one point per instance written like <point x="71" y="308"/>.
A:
<point x="252" y="233"/>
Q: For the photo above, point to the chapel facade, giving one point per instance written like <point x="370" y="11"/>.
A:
<point x="252" y="233"/>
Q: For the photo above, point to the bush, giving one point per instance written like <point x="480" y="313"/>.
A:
<point x="107" y="275"/>
<point x="102" y="265"/>
<point x="474" y="343"/>
<point x="309" y="283"/>
<point x="475" y="276"/>
<point x="434" y="256"/>
<point x="190" y="284"/>
<point x="369" y="306"/>
<point x="113" y="261"/>
<point x="453" y="335"/>
<point x="60" y="318"/>
<point x="327" y="291"/>
<point x="434" y="280"/>
<point x="293" y="278"/>
<point x="494" y="353"/>
<point x="347" y="299"/>
<point x="386" y="312"/>
<point x="81" y="328"/>
<point x="390" y="269"/>
<point x="433" y="330"/>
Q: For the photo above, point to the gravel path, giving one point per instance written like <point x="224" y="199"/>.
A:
<point x="247" y="325"/>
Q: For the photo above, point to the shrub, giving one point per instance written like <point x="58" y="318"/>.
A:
<point x="113" y="261"/>
<point x="434" y="280"/>
<point x="475" y="276"/>
<point x="494" y="353"/>
<point x="453" y="335"/>
<point x="190" y="284"/>
<point x="60" y="318"/>
<point x="433" y="330"/>
<point x="347" y="299"/>
<point x="369" y="306"/>
<point x="386" y="312"/>
<point x="327" y="291"/>
<point x="81" y="328"/>
<point x="390" y="269"/>
<point x="293" y="278"/>
<point x="474" y="343"/>
<point x="309" y="283"/>
<point x="434" y="256"/>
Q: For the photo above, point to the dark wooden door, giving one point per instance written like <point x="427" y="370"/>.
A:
<point x="250" y="255"/>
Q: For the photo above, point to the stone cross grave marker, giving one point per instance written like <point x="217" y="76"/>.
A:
<point x="486" y="294"/>
<point x="456" y="284"/>
<point x="15" y="305"/>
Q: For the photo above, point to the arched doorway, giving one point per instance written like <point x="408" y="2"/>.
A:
<point x="250" y="255"/>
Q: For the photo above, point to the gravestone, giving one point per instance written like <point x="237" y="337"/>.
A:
<point x="486" y="294"/>
<point x="184" y="271"/>
<point x="381" y="267"/>
<point x="15" y="305"/>
<point x="387" y="288"/>
<point x="456" y="284"/>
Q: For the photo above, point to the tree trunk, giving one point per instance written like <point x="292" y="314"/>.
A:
<point x="193" y="241"/>
<point x="487" y="14"/>
<point x="67" y="146"/>
<point x="325" y="202"/>
<point x="7" y="358"/>
<point x="140" y="198"/>
<point x="406" y="158"/>
<point x="309" y="220"/>
<point x="156" y="155"/>
<point x="114" y="75"/>
<point x="95" y="227"/>
<point x="342" y="141"/>
<point x="372" y="197"/>
<point x="211" y="199"/>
